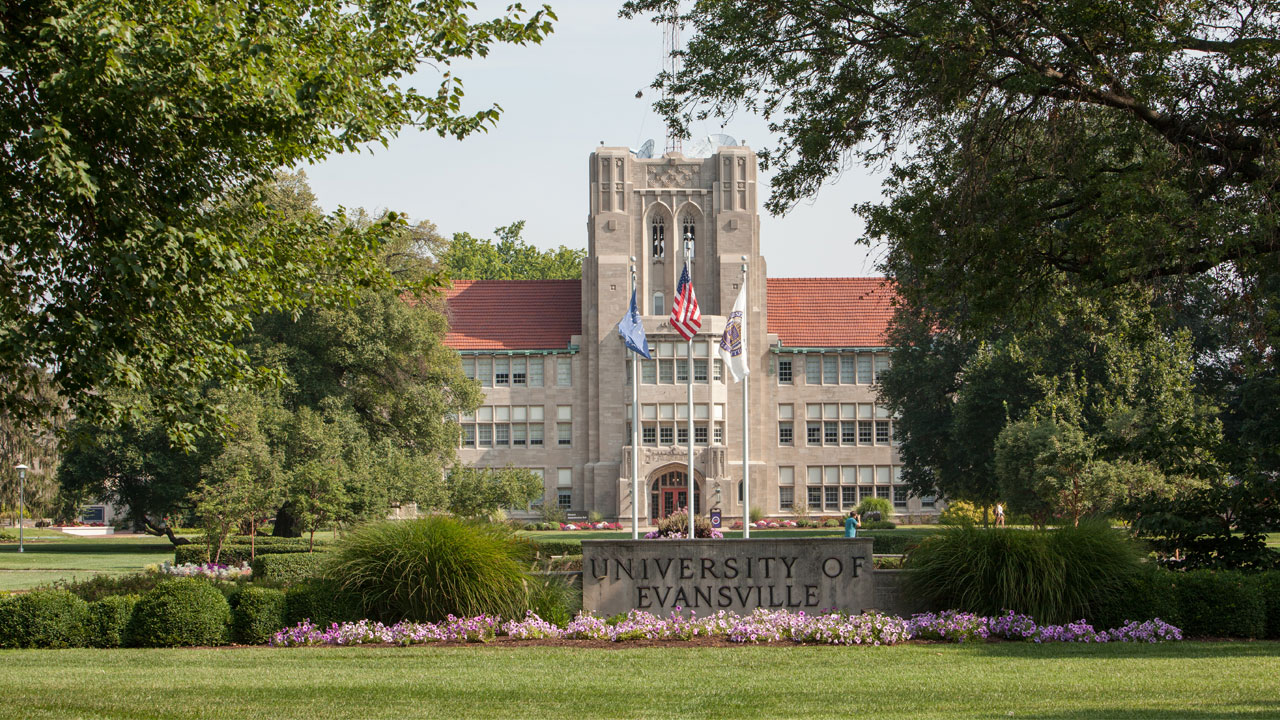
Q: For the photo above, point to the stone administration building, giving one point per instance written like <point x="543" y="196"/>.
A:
<point x="557" y="378"/>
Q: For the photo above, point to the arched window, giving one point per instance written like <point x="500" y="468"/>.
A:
<point x="658" y="236"/>
<point x="689" y="231"/>
<point x="657" y="304"/>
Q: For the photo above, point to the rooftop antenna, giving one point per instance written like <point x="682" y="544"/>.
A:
<point x="671" y="66"/>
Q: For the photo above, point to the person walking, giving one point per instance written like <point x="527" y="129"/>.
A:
<point x="999" y="515"/>
<point x="851" y="524"/>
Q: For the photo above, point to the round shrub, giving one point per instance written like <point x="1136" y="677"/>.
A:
<point x="321" y="601"/>
<point x="1055" y="576"/>
<point x="426" y="569"/>
<point x="959" y="512"/>
<point x="43" y="619"/>
<point x="185" y="611"/>
<point x="677" y="523"/>
<point x="108" y="620"/>
<point x="872" y="505"/>
<point x="256" y="614"/>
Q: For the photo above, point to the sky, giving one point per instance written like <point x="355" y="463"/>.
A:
<point x="560" y="99"/>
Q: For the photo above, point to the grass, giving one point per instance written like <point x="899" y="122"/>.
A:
<point x="53" y="556"/>
<point x="1188" y="680"/>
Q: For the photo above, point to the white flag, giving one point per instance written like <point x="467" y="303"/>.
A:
<point x="733" y="344"/>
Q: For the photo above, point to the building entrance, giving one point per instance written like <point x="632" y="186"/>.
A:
<point x="670" y="493"/>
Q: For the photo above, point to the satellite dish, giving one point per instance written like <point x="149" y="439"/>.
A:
<point x="707" y="146"/>
<point x="645" y="151"/>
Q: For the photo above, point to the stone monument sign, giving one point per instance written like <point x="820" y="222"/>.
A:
<point x="705" y="576"/>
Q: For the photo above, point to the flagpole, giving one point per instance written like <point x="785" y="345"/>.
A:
<point x="746" y="432"/>
<point x="635" y="427"/>
<point x="689" y="377"/>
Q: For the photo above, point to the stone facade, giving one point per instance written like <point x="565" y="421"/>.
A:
<point x="579" y="400"/>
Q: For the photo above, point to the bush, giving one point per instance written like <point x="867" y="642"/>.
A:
<point x="104" y="586"/>
<point x="256" y="614"/>
<point x="1269" y="585"/>
<point x="757" y="514"/>
<point x="832" y="522"/>
<point x="1148" y="594"/>
<point x="183" y="611"/>
<point x="43" y="619"/>
<point x="426" y="569"/>
<point x="554" y="598"/>
<point x="878" y="525"/>
<point x="108" y="620"/>
<point x="1220" y="603"/>
<point x="677" y="523"/>
<point x="960" y="513"/>
<point x="1055" y="576"/>
<point x="547" y="548"/>
<point x="894" y="542"/>
<point x="321" y="601"/>
<point x="553" y="514"/>
<point x="876" y="505"/>
<point x="288" y="568"/>
<point x="237" y="553"/>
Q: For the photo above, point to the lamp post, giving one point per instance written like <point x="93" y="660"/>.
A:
<point x="22" y="482"/>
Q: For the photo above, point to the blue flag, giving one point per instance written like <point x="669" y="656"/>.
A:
<point x="632" y="330"/>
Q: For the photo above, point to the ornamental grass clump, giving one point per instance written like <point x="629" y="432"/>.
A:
<point x="1054" y="576"/>
<point x="428" y="569"/>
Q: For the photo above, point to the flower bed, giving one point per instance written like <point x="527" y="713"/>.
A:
<point x="591" y="526"/>
<point x="761" y="626"/>
<point x="210" y="570"/>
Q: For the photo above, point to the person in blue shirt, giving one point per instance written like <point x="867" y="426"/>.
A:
<point x="851" y="524"/>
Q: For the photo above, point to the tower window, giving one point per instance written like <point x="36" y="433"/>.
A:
<point x="657" y="304"/>
<point x="658" y="235"/>
<point x="688" y="231"/>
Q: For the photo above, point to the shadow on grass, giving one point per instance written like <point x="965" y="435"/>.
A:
<point x="76" y="547"/>
<point x="1187" y="650"/>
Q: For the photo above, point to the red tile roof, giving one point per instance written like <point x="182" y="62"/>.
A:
<point x="513" y="314"/>
<point x="830" y="312"/>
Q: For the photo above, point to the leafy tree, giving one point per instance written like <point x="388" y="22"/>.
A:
<point x="479" y="492"/>
<point x="508" y="258"/>
<point x="318" y="471"/>
<point x="34" y="445"/>
<point x="125" y="124"/>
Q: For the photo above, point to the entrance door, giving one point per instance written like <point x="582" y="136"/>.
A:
<point x="670" y="493"/>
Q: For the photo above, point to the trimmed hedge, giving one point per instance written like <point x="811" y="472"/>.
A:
<point x="894" y="542"/>
<point x="108" y="620"/>
<point x="256" y="614"/>
<point x="323" y="602"/>
<point x="1220" y="603"/>
<point x="288" y="568"/>
<point x="184" y="611"/>
<point x="232" y="554"/>
<point x="1269" y="585"/>
<point x="43" y="619"/>
<point x="547" y="548"/>
<point x="1149" y="594"/>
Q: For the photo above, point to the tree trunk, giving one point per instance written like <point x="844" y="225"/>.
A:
<point x="152" y="529"/>
<point x="287" y="524"/>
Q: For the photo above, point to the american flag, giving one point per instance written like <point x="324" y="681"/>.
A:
<point x="685" y="316"/>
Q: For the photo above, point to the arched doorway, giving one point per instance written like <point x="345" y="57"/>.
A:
<point x="669" y="492"/>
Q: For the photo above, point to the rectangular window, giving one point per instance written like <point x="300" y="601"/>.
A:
<point x="649" y="435"/>
<point x="882" y="492"/>
<point x="502" y="371"/>
<point x="831" y="433"/>
<point x="927" y="501"/>
<point x="535" y="372"/>
<point x="848" y="375"/>
<point x="564" y="412"/>
<point x="831" y="498"/>
<point x="849" y="495"/>
<point x="786" y="497"/>
<point x="486" y="435"/>
<point x="900" y="497"/>
<point x="815" y="498"/>
<point x="469" y="368"/>
<point x="666" y="373"/>
<point x="700" y="435"/>
<point x="484" y="371"/>
<point x="786" y="476"/>
<point x="682" y="435"/>
<point x="564" y="434"/>
<point x="882" y="432"/>
<point x="717" y="434"/>
<point x="564" y="372"/>
<point x="502" y="435"/>
<point x="813" y="433"/>
<point x="700" y="371"/>
<point x="864" y="432"/>
<point x="535" y="436"/>
<point x="784" y="371"/>
<point x="666" y="435"/>
<point x="649" y="372"/>
<point x="468" y="435"/>
<point x="718" y="370"/>
<point x="682" y="371"/>
<point x="864" y="369"/>
<point x="518" y="375"/>
<point x="813" y="370"/>
<point x="519" y="435"/>
<point x="829" y="374"/>
<point x="564" y="499"/>
<point x="882" y="365"/>
<point x="848" y="433"/>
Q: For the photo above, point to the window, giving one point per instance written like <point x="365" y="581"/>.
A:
<point x="718" y="374"/>
<point x="564" y="477"/>
<point x="564" y="499"/>
<point x="682" y="371"/>
<point x="484" y="371"/>
<point x="717" y="434"/>
<point x="813" y="370"/>
<point x="519" y="435"/>
<point x="535" y="436"/>
<point x="882" y="492"/>
<point x="666" y="435"/>
<point x="831" y="498"/>
<point x="786" y="497"/>
<point x="848" y="433"/>
<point x="813" y="433"/>
<point x="864" y="369"/>
<point x="815" y="498"/>
<point x="658" y="236"/>
<point x="700" y="435"/>
<point x="518" y="376"/>
<point x="900" y="497"/>
<point x="864" y="432"/>
<point x="657" y="304"/>
<point x="848" y="374"/>
<point x="469" y="368"/>
<point x="502" y="371"/>
<point x="564" y="412"/>
<point x="564" y="372"/>
<point x="564" y="434"/>
<point x="700" y="371"/>
<point x="785" y="432"/>
<point x="689" y="231"/>
<point x="882" y="365"/>
<point x="928" y="501"/>
<point x="666" y="372"/>
<point x="882" y="432"/>
<point x="786" y="476"/>
<point x="831" y="433"/>
<point x="485" y="433"/>
<point x="649" y="435"/>
<point x="682" y="435"/>
<point x="829" y="375"/>
<point x="535" y="372"/>
<point x="468" y="435"/>
<point x="649" y="372"/>
<point x="849" y="495"/>
<point x="784" y="371"/>
<point x="502" y="435"/>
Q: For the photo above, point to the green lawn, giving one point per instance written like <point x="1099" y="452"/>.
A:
<point x="1189" y="680"/>
<point x="54" y="556"/>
